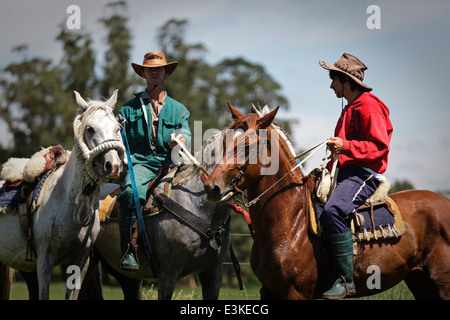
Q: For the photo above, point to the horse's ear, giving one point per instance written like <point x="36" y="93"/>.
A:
<point x="113" y="100"/>
<point x="265" y="121"/>
<point x="81" y="102"/>
<point x="234" y="112"/>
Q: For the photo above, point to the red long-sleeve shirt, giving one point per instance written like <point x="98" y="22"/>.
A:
<point x="366" y="131"/>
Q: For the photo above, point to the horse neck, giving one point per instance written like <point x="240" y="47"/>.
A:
<point x="190" y="178"/>
<point x="188" y="190"/>
<point x="283" y="205"/>
<point x="69" y="188"/>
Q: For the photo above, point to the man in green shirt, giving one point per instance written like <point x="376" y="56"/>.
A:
<point x="152" y="120"/>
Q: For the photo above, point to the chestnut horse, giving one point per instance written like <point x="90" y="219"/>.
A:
<point x="291" y="262"/>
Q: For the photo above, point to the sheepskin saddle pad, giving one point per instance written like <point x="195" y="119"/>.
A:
<point x="23" y="177"/>
<point x="378" y="218"/>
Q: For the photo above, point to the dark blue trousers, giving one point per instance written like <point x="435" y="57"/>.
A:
<point x="354" y="186"/>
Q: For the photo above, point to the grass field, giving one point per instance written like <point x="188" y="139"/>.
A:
<point x="57" y="292"/>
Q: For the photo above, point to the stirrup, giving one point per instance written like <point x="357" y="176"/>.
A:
<point x="129" y="260"/>
<point x="334" y="294"/>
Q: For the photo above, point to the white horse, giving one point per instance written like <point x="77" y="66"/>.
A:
<point x="66" y="223"/>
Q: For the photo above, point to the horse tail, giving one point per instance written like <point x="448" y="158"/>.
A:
<point x="6" y="277"/>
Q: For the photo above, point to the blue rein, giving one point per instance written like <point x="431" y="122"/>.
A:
<point x="139" y="216"/>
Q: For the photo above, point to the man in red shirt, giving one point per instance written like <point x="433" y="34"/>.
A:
<point x="361" y="143"/>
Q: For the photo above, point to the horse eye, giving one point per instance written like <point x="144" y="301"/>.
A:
<point x="90" y="130"/>
<point x="244" y="127"/>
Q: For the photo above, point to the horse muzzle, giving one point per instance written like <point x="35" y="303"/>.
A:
<point x="112" y="165"/>
<point x="108" y="164"/>
<point x="215" y="194"/>
<point x="106" y="160"/>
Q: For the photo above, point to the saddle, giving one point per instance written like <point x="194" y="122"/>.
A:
<point x="158" y="199"/>
<point x="109" y="209"/>
<point x="378" y="218"/>
<point x="25" y="179"/>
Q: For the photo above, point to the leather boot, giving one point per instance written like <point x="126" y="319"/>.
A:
<point x="342" y="247"/>
<point x="129" y="260"/>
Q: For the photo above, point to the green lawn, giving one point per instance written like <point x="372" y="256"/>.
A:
<point x="57" y="292"/>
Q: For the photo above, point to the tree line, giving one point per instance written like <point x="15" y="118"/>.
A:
<point x="36" y="94"/>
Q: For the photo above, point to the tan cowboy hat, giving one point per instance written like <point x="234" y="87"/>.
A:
<point x="349" y="65"/>
<point x="154" y="60"/>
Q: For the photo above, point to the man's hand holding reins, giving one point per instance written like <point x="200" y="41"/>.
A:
<point x="335" y="145"/>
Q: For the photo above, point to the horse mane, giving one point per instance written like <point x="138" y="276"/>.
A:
<point x="286" y="150"/>
<point x="187" y="170"/>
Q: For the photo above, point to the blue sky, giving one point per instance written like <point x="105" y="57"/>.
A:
<point x="407" y="59"/>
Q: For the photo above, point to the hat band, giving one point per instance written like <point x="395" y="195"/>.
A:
<point x="337" y="65"/>
<point x="154" y="57"/>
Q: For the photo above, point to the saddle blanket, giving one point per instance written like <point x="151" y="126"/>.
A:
<point x="10" y="198"/>
<point x="387" y="221"/>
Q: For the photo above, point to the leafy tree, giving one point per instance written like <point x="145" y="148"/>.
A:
<point x="191" y="83"/>
<point x="243" y="83"/>
<point x="32" y="93"/>
<point x="205" y="89"/>
<point x="400" y="185"/>
<point x="78" y="61"/>
<point x="116" y="70"/>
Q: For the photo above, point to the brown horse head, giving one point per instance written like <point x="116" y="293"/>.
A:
<point x="251" y="149"/>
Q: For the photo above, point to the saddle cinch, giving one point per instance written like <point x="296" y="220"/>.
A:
<point x="378" y="218"/>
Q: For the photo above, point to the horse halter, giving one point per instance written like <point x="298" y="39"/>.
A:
<point x="311" y="151"/>
<point x="90" y="154"/>
<point x="238" y="177"/>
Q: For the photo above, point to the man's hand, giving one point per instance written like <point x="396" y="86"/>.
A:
<point x="335" y="145"/>
<point x="173" y="143"/>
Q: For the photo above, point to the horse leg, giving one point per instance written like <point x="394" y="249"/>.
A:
<point x="91" y="288"/>
<point x="267" y="294"/>
<point x="6" y="275"/>
<point x="45" y="266"/>
<point x="211" y="281"/>
<point x="167" y="282"/>
<point x="421" y="285"/>
<point x="31" y="279"/>
<point x="83" y="263"/>
<point x="131" y="288"/>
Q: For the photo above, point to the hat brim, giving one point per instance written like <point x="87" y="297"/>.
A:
<point x="139" y="68"/>
<point x="329" y="66"/>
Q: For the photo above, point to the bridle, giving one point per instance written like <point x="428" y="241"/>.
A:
<point x="238" y="177"/>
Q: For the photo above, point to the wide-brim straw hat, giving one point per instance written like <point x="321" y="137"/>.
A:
<point x="349" y="65"/>
<point x="154" y="60"/>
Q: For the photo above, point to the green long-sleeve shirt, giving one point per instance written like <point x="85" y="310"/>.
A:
<point x="173" y="116"/>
